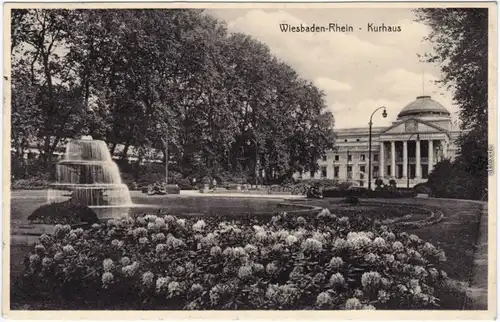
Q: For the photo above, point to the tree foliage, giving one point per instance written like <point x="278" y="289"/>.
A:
<point x="135" y="77"/>
<point x="460" y="39"/>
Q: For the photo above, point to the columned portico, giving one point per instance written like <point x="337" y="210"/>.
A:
<point x="382" y="160"/>
<point x="405" y="159"/>
<point x="418" y="167"/>
<point x="405" y="151"/>
<point x="431" y="156"/>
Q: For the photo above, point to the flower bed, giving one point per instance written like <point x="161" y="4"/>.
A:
<point x="163" y="262"/>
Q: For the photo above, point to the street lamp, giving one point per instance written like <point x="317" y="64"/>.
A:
<point x="165" y="144"/>
<point x="408" y="160"/>
<point x="384" y="114"/>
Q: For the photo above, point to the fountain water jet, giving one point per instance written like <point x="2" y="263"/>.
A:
<point x="89" y="176"/>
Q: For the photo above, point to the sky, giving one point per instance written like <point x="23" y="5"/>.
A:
<point x="358" y="71"/>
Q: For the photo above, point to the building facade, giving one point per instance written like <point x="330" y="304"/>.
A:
<point x="422" y="135"/>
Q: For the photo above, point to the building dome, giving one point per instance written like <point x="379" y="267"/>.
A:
<point x="424" y="106"/>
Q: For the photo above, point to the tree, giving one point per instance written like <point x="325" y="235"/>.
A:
<point x="460" y="39"/>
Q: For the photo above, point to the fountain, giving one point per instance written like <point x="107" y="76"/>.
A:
<point x="88" y="175"/>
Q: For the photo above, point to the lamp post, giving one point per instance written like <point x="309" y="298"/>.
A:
<point x="408" y="160"/>
<point x="384" y="114"/>
<point x="165" y="144"/>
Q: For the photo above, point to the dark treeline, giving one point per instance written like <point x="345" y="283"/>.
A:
<point x="132" y="77"/>
<point x="460" y="38"/>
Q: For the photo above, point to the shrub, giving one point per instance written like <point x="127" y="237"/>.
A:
<point x="163" y="262"/>
<point x="37" y="182"/>
<point x="65" y="212"/>
<point x="161" y="188"/>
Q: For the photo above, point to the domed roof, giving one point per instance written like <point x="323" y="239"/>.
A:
<point x="423" y="105"/>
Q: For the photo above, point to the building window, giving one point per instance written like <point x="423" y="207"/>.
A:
<point x="345" y="140"/>
<point x="357" y="140"/>
<point x="375" y="172"/>
<point x="349" y="157"/>
<point x="336" y="157"/>
<point x="335" y="172"/>
<point x="375" y="157"/>
<point x="362" y="168"/>
<point x="362" y="157"/>
<point x="324" y="158"/>
<point x="323" y="172"/>
<point x="349" y="172"/>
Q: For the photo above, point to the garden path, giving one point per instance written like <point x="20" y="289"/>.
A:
<point x="477" y="292"/>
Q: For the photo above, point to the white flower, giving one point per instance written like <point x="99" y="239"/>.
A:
<point x="34" y="259"/>
<point x="340" y="244"/>
<point x="257" y="267"/>
<point x="258" y="228"/>
<point x="420" y="272"/>
<point x="58" y="256"/>
<point x="169" y="219"/>
<point x="150" y="218"/>
<point x="173" y="286"/>
<point x="414" y="238"/>
<point x="290" y="240"/>
<point x="251" y="249"/>
<point x="371" y="258"/>
<point x="68" y="249"/>
<point x="336" y="262"/>
<point x="271" y="268"/>
<point x="368" y="307"/>
<point x="46" y="262"/>
<point x="125" y="261"/>
<point x="324" y="298"/>
<point x="397" y="246"/>
<point x="245" y="271"/>
<point x="379" y="243"/>
<point x="107" y="278"/>
<point x="311" y="244"/>
<point x="353" y="304"/>
<point x="162" y="283"/>
<point x="108" y="264"/>
<point x="181" y="222"/>
<point x="389" y="258"/>
<point x="199" y="226"/>
<point x="147" y="278"/>
<point x="319" y="237"/>
<point x="158" y="237"/>
<point x="196" y="288"/>
<point x="130" y="270"/>
<point x="140" y="232"/>
<point x="143" y="240"/>
<point x="337" y="279"/>
<point x="153" y="227"/>
<point x="301" y="220"/>
<point x="383" y="297"/>
<point x="215" y="250"/>
<point x="173" y="242"/>
<point x="261" y="236"/>
<point x="370" y="279"/>
<point x="160" y="222"/>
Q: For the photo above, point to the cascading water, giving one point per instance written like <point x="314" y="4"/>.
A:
<point x="88" y="175"/>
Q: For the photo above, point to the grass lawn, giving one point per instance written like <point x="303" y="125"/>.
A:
<point x="457" y="234"/>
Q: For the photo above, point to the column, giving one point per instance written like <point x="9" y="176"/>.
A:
<point x="405" y="159"/>
<point x="431" y="156"/>
<point x="393" y="159"/>
<point x="445" y="149"/>
<point x="418" y="167"/>
<point x="381" y="162"/>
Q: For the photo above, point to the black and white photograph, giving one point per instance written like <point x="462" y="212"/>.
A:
<point x="326" y="159"/>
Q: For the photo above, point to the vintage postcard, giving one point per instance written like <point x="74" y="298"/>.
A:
<point x="250" y="160"/>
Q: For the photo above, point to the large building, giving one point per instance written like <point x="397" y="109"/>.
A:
<point x="422" y="135"/>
